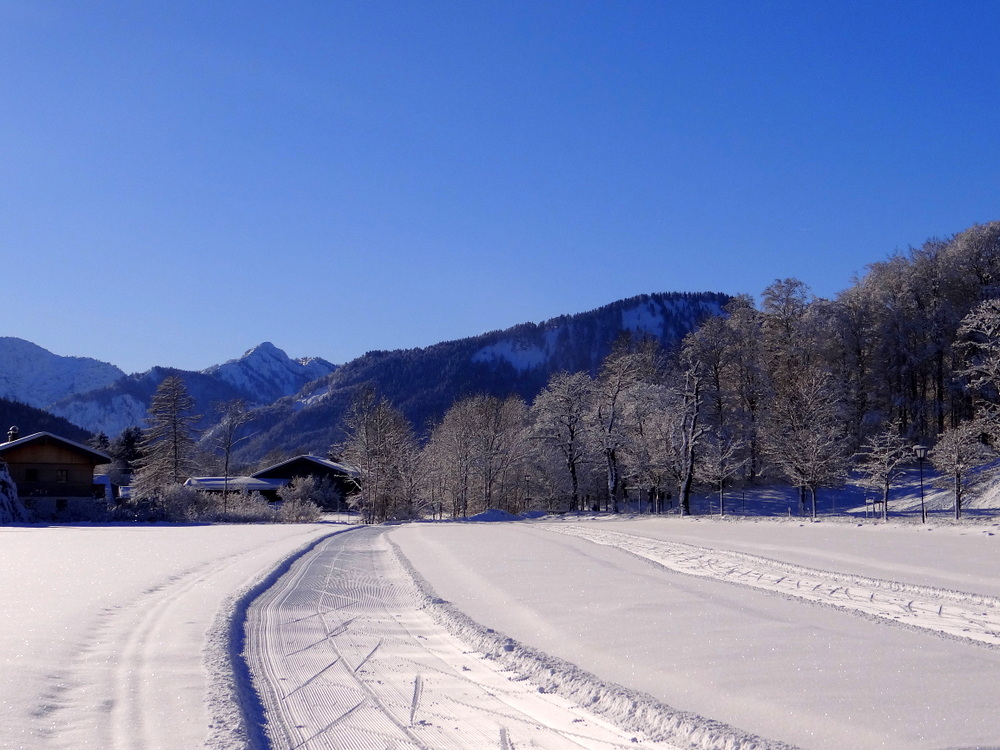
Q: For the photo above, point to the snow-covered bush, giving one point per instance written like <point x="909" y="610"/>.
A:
<point x="181" y="503"/>
<point x="298" y="510"/>
<point x="12" y="510"/>
<point x="243" y="507"/>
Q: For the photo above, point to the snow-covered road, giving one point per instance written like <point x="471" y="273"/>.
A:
<point x="345" y="654"/>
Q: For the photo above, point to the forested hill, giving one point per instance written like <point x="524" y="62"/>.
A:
<point x="423" y="383"/>
<point x="30" y="420"/>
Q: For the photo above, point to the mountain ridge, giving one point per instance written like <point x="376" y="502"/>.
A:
<point x="424" y="382"/>
<point x="298" y="403"/>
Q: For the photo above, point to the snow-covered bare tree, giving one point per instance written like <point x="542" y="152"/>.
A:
<point x="805" y="435"/>
<point x="559" y="425"/>
<point x="500" y="450"/>
<point x="979" y="344"/>
<point x="621" y="373"/>
<point x="688" y="430"/>
<point x="750" y="380"/>
<point x="785" y="304"/>
<point x="711" y="351"/>
<point x="450" y="457"/>
<point x="226" y="434"/>
<point x="881" y="460"/>
<point x="644" y="463"/>
<point x="723" y="457"/>
<point x="168" y="443"/>
<point x="379" y="443"/>
<point x="958" y="453"/>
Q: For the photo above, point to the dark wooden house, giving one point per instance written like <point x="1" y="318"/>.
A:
<point x="341" y="476"/>
<point x="54" y="475"/>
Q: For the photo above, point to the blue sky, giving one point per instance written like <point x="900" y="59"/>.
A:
<point x="180" y="181"/>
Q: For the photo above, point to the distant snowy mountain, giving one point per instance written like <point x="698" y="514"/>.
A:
<point x="265" y="373"/>
<point x="423" y="383"/>
<point x="260" y="377"/>
<point x="37" y="377"/>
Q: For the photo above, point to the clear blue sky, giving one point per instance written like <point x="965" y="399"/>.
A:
<point x="182" y="180"/>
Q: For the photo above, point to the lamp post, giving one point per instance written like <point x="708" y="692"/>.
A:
<point x="920" y="451"/>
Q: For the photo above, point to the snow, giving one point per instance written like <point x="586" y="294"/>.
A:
<point x="108" y="634"/>
<point x="493" y="515"/>
<point x="643" y="318"/>
<point x="575" y="631"/>
<point x="521" y="356"/>
<point x="268" y="373"/>
<point x="813" y="673"/>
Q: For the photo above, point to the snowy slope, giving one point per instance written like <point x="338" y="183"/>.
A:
<point x="37" y="377"/>
<point x="265" y="373"/>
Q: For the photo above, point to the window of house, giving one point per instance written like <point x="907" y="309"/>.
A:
<point x="62" y="475"/>
<point x="31" y="475"/>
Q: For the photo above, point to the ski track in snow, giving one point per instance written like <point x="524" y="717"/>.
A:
<point x="344" y="654"/>
<point x="969" y="617"/>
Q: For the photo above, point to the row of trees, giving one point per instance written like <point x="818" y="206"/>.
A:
<point x="800" y="389"/>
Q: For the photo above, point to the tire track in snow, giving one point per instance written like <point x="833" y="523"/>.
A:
<point x="970" y="617"/>
<point x="343" y="655"/>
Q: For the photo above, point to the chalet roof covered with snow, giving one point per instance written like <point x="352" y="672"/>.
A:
<point x="306" y="464"/>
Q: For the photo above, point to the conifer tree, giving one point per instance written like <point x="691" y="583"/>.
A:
<point x="168" y="443"/>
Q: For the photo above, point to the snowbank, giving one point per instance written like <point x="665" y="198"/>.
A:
<point x="494" y="515"/>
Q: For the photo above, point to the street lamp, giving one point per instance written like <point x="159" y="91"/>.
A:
<point x="920" y="451"/>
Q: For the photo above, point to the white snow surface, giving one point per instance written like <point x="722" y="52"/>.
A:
<point x="117" y="636"/>
<point x="109" y="416"/>
<point x="520" y="355"/>
<point x="575" y="632"/>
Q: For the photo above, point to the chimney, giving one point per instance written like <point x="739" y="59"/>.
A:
<point x="12" y="434"/>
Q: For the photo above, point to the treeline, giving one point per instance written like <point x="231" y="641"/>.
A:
<point x="800" y="389"/>
<point x="29" y="420"/>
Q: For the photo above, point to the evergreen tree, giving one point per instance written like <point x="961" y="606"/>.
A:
<point x="168" y="444"/>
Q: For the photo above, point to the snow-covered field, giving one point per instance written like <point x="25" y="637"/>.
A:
<point x="574" y="632"/>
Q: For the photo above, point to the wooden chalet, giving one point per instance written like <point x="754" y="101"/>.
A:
<point x="54" y="475"/>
